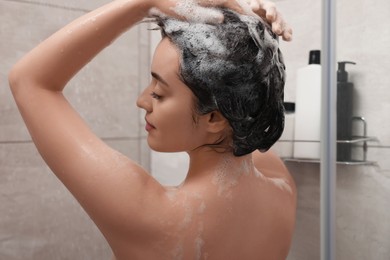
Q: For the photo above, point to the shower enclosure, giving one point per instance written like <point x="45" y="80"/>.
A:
<point x="342" y="205"/>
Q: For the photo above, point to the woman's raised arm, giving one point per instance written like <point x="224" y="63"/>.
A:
<point x="109" y="186"/>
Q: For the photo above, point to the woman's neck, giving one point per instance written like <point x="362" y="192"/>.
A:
<point x="207" y="162"/>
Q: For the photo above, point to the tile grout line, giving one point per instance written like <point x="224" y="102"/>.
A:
<point x="50" y="5"/>
<point x="102" y="138"/>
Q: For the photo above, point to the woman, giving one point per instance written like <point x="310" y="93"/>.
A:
<point x="231" y="206"/>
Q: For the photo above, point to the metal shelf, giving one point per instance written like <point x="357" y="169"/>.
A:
<point x="352" y="163"/>
<point x="355" y="140"/>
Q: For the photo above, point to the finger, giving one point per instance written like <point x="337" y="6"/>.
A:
<point x="155" y="12"/>
<point x="270" y="10"/>
<point x="254" y="4"/>
<point x="287" y="33"/>
<point x="278" y="24"/>
<point x="257" y="8"/>
<point x="210" y="3"/>
<point x="243" y="5"/>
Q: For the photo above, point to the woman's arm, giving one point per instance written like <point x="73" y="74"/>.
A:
<point x="109" y="186"/>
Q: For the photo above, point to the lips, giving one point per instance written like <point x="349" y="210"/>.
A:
<point x="148" y="126"/>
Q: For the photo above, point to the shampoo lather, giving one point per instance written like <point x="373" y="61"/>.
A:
<point x="308" y="109"/>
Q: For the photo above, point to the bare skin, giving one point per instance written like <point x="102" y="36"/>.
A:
<point x="225" y="209"/>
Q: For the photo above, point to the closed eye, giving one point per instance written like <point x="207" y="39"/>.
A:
<point x="155" y="96"/>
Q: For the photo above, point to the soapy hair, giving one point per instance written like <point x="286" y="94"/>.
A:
<point x="236" y="68"/>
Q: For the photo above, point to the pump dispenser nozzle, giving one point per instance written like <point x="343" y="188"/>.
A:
<point x="342" y="74"/>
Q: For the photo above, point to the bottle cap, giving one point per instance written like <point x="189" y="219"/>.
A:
<point x="289" y="107"/>
<point x="315" y="57"/>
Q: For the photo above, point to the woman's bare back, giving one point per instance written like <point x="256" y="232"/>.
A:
<point x="222" y="216"/>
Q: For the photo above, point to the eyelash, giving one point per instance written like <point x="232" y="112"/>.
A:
<point x="155" y="96"/>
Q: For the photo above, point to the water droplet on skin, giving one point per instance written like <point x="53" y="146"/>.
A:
<point x="278" y="182"/>
<point x="177" y="252"/>
<point x="281" y="184"/>
<point x="199" y="245"/>
<point x="171" y="194"/>
<point x="202" y="207"/>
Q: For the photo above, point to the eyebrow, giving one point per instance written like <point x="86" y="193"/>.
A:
<point x="159" y="78"/>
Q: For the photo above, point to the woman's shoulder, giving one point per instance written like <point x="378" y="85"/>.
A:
<point x="281" y="185"/>
<point x="271" y="166"/>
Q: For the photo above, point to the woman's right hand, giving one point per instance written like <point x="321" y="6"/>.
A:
<point x="268" y="11"/>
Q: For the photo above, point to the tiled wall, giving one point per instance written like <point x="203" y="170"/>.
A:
<point x="39" y="219"/>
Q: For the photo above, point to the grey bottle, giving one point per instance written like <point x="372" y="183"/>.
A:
<point x="344" y="112"/>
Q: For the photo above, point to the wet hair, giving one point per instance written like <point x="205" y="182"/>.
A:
<point x="234" y="67"/>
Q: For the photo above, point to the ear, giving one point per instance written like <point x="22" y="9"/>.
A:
<point x="216" y="122"/>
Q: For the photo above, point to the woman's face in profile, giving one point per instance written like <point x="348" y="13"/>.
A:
<point x="169" y="105"/>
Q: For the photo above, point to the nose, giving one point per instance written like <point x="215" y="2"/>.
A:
<point x="144" y="100"/>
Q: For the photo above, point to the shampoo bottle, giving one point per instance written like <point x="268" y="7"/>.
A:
<point x="308" y="109"/>
<point x="344" y="113"/>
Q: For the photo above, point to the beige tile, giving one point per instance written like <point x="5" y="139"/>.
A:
<point x="145" y="154"/>
<point x="32" y="25"/>
<point x="307" y="36"/>
<point x="362" y="213"/>
<point x="72" y="4"/>
<point x="371" y="99"/>
<point x="306" y="239"/>
<point x="40" y="220"/>
<point x="362" y="204"/>
<point x="104" y="92"/>
<point x="381" y="157"/>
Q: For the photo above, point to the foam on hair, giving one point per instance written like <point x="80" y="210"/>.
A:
<point x="235" y="67"/>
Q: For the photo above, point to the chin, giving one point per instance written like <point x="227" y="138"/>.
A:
<point x="164" y="148"/>
<point x="158" y="147"/>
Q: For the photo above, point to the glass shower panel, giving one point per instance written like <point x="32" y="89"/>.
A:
<point x="363" y="175"/>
